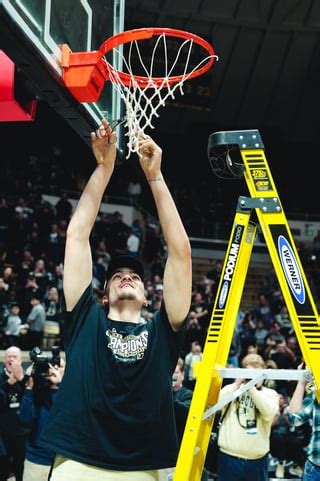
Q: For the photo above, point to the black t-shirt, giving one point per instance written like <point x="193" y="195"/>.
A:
<point x="114" y="408"/>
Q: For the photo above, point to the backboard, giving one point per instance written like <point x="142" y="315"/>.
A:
<point x="31" y="32"/>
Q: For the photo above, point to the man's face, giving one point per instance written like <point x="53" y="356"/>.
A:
<point x="15" y="310"/>
<point x="177" y="379"/>
<point x="125" y="284"/>
<point x="255" y="366"/>
<point x="12" y="356"/>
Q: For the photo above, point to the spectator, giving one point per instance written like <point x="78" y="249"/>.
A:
<point x="52" y="322"/>
<point x="118" y="235"/>
<point x="304" y="408"/>
<point x="134" y="190"/>
<point x="36" y="320"/>
<point x="3" y="463"/>
<point x="63" y="208"/>
<point x="19" y="230"/>
<point x="284" y="320"/>
<point x="41" y="275"/>
<point x="316" y="247"/>
<point x="235" y="350"/>
<point x="293" y="345"/>
<point x="102" y="261"/>
<point x="193" y="357"/>
<point x="194" y="332"/>
<point x="4" y="294"/>
<point x="247" y="330"/>
<point x="284" y="359"/>
<point x="13" y="324"/>
<point x="285" y="443"/>
<point x="133" y="243"/>
<point x="138" y="229"/>
<point x="201" y="308"/>
<point x="154" y="243"/>
<point x="182" y="397"/>
<point x="150" y="296"/>
<point x="26" y="264"/>
<point x="157" y="265"/>
<point x="260" y="335"/>
<point x="54" y="244"/>
<point x="262" y="310"/>
<point x="39" y="395"/>
<point x="5" y="216"/>
<point x="57" y="280"/>
<point x="25" y="294"/>
<point x="13" y="431"/>
<point x="205" y="286"/>
<point x="9" y="276"/>
<point x="214" y="273"/>
<point x="244" y="435"/>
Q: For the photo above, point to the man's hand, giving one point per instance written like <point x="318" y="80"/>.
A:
<point x="303" y="382"/>
<point x="30" y="382"/>
<point x="103" y="143"/>
<point x="16" y="372"/>
<point x="239" y="381"/>
<point x="55" y="376"/>
<point x="150" y="155"/>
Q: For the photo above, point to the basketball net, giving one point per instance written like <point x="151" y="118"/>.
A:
<point x="144" y="96"/>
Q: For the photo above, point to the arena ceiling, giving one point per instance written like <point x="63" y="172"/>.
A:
<point x="268" y="71"/>
<point x="267" y="78"/>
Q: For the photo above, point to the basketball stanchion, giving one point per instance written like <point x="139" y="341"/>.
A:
<point x="239" y="154"/>
<point x="147" y="81"/>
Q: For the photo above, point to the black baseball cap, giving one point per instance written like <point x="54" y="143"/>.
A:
<point x="121" y="261"/>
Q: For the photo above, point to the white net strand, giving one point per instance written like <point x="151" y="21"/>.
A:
<point x="142" y="102"/>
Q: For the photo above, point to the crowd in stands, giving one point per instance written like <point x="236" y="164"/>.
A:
<point x="32" y="239"/>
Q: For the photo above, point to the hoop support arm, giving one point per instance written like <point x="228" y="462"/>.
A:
<point x="84" y="73"/>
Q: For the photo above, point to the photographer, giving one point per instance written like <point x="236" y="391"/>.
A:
<point x="12" y="429"/>
<point x="41" y="389"/>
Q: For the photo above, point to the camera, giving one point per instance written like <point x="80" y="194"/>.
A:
<point x="41" y="361"/>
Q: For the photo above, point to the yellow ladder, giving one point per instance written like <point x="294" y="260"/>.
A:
<point x="265" y="202"/>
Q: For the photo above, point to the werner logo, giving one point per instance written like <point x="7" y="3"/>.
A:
<point x="223" y="294"/>
<point x="291" y="269"/>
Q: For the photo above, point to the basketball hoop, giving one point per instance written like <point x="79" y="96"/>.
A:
<point x="144" y="85"/>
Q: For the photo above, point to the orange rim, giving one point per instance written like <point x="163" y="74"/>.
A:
<point x="144" y="34"/>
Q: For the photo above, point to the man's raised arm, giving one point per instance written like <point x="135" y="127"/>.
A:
<point x="177" y="280"/>
<point x="78" y="258"/>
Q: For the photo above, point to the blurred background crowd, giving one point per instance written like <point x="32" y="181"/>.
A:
<point x="32" y="239"/>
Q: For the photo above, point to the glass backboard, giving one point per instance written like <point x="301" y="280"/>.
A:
<point x="43" y="25"/>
